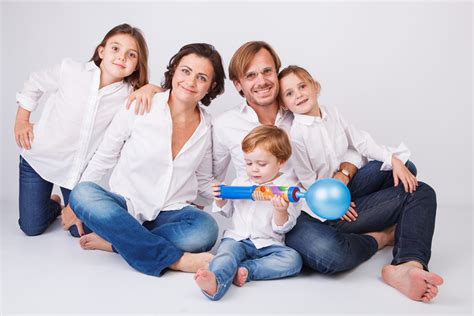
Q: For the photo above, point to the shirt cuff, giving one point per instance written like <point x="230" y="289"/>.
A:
<point x="401" y="152"/>
<point x="283" y="229"/>
<point x="354" y="158"/>
<point x="26" y="102"/>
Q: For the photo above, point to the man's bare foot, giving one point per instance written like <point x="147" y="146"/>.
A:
<point x="241" y="277"/>
<point x="56" y="198"/>
<point x="410" y="279"/>
<point x="92" y="241"/>
<point x="385" y="237"/>
<point x="206" y="280"/>
<point x="191" y="262"/>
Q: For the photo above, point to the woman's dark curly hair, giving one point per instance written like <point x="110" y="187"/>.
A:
<point x="202" y="50"/>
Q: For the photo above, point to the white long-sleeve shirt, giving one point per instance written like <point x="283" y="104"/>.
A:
<point x="254" y="219"/>
<point x="320" y="145"/>
<point x="73" y="120"/>
<point x="145" y="173"/>
<point x="230" y="128"/>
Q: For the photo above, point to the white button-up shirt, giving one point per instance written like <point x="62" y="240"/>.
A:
<point x="230" y="128"/>
<point x="254" y="219"/>
<point x="145" y="173"/>
<point x="320" y="145"/>
<point x="73" y="121"/>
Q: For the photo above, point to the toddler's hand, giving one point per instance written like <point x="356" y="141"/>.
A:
<point x="279" y="204"/>
<point x="216" y="191"/>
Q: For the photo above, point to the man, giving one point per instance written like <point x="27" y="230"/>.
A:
<point x="332" y="246"/>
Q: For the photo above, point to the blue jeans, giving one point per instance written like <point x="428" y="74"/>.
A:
<point x="272" y="262"/>
<point x="334" y="246"/>
<point x="151" y="247"/>
<point x="37" y="210"/>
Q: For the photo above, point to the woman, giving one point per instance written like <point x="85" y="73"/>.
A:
<point x="162" y="162"/>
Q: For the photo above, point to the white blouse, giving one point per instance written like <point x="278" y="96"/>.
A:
<point x="254" y="219"/>
<point x="73" y="120"/>
<point x="145" y="174"/>
<point x="320" y="145"/>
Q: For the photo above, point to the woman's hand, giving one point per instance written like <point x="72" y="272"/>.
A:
<point x="402" y="174"/>
<point x="351" y="214"/>
<point x="143" y="97"/>
<point x="216" y="191"/>
<point x="69" y="218"/>
<point x="23" y="129"/>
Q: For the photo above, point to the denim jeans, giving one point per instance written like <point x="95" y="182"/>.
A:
<point x="267" y="263"/>
<point x="151" y="247"/>
<point x="334" y="246"/>
<point x="37" y="210"/>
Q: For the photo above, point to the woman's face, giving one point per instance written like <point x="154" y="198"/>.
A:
<point x="192" y="79"/>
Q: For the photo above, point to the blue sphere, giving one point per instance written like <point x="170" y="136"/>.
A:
<point x="328" y="198"/>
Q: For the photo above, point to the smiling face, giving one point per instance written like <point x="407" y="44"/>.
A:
<point x="299" y="95"/>
<point x="261" y="165"/>
<point x="259" y="83"/>
<point x="119" y="57"/>
<point x="192" y="79"/>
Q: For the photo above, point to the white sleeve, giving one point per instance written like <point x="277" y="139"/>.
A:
<point x="220" y="156"/>
<point x="108" y="152"/>
<point x="36" y="85"/>
<point x="354" y="157"/>
<point x="367" y="147"/>
<point x="227" y="210"/>
<point x="294" y="210"/>
<point x="204" y="176"/>
<point x="301" y="163"/>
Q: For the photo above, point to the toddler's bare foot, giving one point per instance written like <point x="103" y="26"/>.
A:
<point x="414" y="282"/>
<point x="191" y="262"/>
<point x="385" y="237"/>
<point x="92" y="241"/>
<point x="241" y="277"/>
<point x="206" y="280"/>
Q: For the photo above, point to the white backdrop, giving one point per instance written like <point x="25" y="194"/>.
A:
<point x="402" y="71"/>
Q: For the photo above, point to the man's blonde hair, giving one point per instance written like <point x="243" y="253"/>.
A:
<point x="271" y="138"/>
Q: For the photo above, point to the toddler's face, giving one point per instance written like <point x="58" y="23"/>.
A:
<point x="298" y="95"/>
<point x="261" y="166"/>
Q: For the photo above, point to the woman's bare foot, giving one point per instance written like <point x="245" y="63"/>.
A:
<point x="191" y="262"/>
<point x="206" y="280"/>
<point x="92" y="241"/>
<point x="241" y="277"/>
<point x="410" y="279"/>
<point x="385" y="237"/>
<point x="56" y="198"/>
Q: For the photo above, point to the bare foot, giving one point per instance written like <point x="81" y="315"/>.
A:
<point x="56" y="198"/>
<point x="385" y="237"/>
<point x="191" y="262"/>
<point x="410" y="279"/>
<point x="92" y="241"/>
<point x="206" y="280"/>
<point x="241" y="277"/>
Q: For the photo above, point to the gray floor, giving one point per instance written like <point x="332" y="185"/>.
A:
<point x="51" y="274"/>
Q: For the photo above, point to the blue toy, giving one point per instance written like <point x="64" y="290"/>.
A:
<point x="327" y="198"/>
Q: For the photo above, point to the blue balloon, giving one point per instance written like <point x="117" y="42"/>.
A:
<point x="328" y="198"/>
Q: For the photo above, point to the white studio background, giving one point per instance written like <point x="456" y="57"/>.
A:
<point x="402" y="71"/>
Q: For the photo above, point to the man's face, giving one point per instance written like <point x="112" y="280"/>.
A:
<point x="259" y="83"/>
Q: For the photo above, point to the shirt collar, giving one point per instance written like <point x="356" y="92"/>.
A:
<point x="309" y="120"/>
<point x="251" y="115"/>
